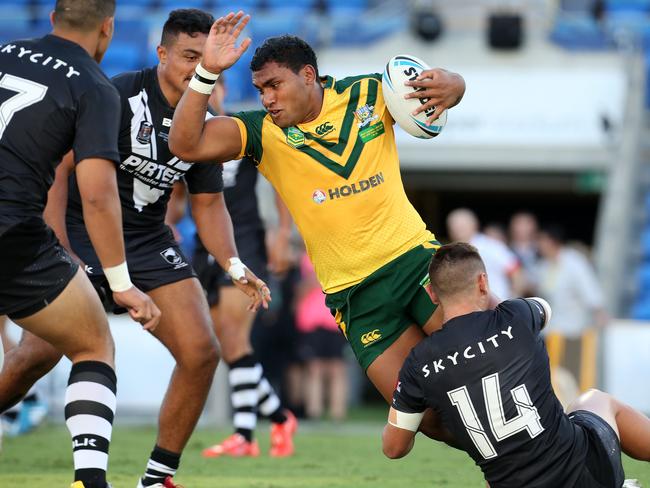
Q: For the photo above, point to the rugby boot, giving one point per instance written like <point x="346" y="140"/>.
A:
<point x="282" y="436"/>
<point x="168" y="483"/>
<point x="631" y="483"/>
<point x="234" y="446"/>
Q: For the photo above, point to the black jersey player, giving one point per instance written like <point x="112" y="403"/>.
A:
<point x="53" y="98"/>
<point x="486" y="374"/>
<point x="146" y="173"/>
<point x="251" y="392"/>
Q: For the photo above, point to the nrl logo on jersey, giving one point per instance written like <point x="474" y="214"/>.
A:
<point x="144" y="133"/>
<point x="295" y="137"/>
<point x="366" y="115"/>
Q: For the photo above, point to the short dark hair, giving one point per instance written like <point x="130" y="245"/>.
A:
<point x="555" y="232"/>
<point x="288" y="51"/>
<point x="82" y="15"/>
<point x="453" y="268"/>
<point x="190" y="21"/>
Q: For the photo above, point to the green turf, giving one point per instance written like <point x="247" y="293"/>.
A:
<point x="329" y="456"/>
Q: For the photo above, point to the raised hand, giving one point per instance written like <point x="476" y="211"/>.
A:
<point x="221" y="50"/>
<point x="442" y="88"/>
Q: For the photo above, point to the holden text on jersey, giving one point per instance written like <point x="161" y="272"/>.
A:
<point x="357" y="187"/>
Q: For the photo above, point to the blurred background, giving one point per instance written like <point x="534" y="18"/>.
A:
<point x="544" y="166"/>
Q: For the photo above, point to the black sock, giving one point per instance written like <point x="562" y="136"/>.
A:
<point x="162" y="463"/>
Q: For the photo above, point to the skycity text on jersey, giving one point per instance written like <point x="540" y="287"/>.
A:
<point x="38" y="58"/>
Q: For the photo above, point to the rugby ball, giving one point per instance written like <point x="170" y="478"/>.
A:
<point x="398" y="70"/>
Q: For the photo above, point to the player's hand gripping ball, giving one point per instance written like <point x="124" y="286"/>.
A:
<point x="399" y="70"/>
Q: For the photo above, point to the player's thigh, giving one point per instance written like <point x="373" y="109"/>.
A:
<point x="598" y="402"/>
<point x="384" y="370"/>
<point x="74" y="323"/>
<point x="602" y="462"/>
<point x="185" y="325"/>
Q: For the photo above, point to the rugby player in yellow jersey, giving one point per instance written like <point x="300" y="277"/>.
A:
<point x="328" y="148"/>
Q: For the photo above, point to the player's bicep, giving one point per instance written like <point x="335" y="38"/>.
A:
<point x="221" y="141"/>
<point x="96" y="179"/>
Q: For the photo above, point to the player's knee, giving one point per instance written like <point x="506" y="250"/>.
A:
<point x="203" y="358"/>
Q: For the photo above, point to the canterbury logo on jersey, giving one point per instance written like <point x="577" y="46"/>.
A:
<point x="370" y="337"/>
<point x="357" y="187"/>
<point x="157" y="175"/>
<point x="324" y="129"/>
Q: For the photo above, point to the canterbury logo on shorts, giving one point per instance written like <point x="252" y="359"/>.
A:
<point x="370" y="337"/>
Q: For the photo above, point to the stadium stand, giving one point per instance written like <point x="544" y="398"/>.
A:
<point x="320" y="22"/>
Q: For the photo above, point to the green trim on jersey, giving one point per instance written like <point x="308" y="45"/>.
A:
<point x="341" y="85"/>
<point x="253" y="120"/>
<point x="344" y="138"/>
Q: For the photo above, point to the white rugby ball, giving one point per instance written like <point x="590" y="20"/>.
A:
<point x="398" y="70"/>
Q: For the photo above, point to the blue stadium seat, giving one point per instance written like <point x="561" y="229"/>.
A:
<point x="131" y="30"/>
<point x="354" y="30"/>
<point x="641" y="309"/>
<point x="224" y="6"/>
<point x="579" y="33"/>
<point x="123" y="56"/>
<point x="292" y="6"/>
<point x="349" y="7"/>
<point x="645" y="242"/>
<point x="274" y="24"/>
<point x="628" y="6"/>
<point x="174" y="4"/>
<point x="138" y="3"/>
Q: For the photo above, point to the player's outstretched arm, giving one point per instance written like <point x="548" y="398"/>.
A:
<point x="103" y="218"/>
<point x="443" y="89"/>
<point x="214" y="226"/>
<point x="191" y="138"/>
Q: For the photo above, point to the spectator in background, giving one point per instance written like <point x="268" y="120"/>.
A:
<point x="502" y="265"/>
<point x="523" y="230"/>
<point x="568" y="281"/>
<point x="321" y="347"/>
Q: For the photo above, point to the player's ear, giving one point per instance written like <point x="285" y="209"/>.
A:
<point x="108" y="27"/>
<point x="309" y="74"/>
<point x="161" y="51"/>
<point x="483" y="284"/>
<point x="52" y="18"/>
<point x="432" y="294"/>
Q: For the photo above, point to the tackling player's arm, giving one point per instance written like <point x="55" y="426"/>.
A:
<point x="398" y="437"/>
<point x="191" y="137"/>
<point x="405" y="414"/>
<point x="215" y="230"/>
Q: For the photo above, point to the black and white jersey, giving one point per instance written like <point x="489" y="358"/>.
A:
<point x="53" y="98"/>
<point x="147" y="169"/>
<point x="487" y="375"/>
<point x="239" y="181"/>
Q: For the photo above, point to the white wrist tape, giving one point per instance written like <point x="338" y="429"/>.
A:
<point x="237" y="269"/>
<point x="118" y="277"/>
<point x="406" y="421"/>
<point x="204" y="73"/>
<point x="203" y="80"/>
<point x="199" y="86"/>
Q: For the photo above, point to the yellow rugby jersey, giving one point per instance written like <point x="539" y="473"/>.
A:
<point x="339" y="176"/>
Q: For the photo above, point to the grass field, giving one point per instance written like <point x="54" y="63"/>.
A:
<point x="328" y="456"/>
